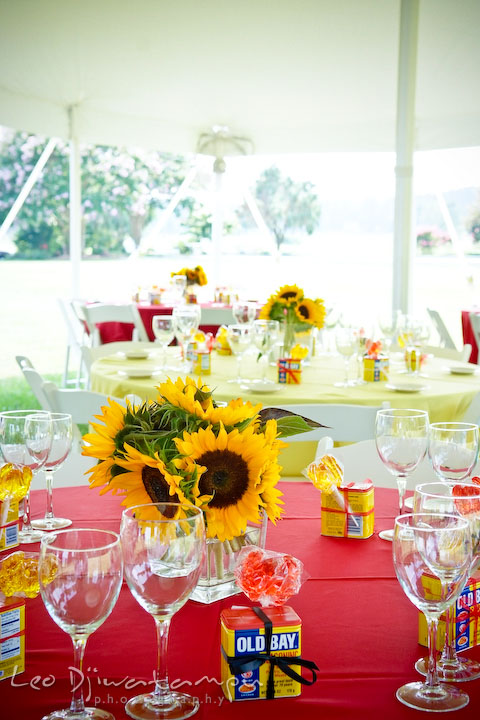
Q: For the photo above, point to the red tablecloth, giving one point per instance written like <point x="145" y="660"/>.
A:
<point x="468" y="336"/>
<point x="358" y="626"/>
<point x="118" y="332"/>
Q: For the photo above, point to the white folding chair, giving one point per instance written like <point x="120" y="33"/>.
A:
<point x="345" y="423"/>
<point x="462" y="355"/>
<point x="446" y="339"/>
<point x="360" y="461"/>
<point x="34" y="379"/>
<point x="76" y="337"/>
<point x="101" y="312"/>
<point x="216" y="316"/>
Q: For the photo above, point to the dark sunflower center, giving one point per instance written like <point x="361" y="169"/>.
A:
<point x="158" y="489"/>
<point x="288" y="294"/>
<point x="226" y="477"/>
<point x="303" y="311"/>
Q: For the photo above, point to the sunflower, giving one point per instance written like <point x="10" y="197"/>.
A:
<point x="308" y="311"/>
<point x="235" y="412"/>
<point x="147" y="480"/>
<point x="289" y="294"/>
<point x="266" y="311"/>
<point x="101" y="474"/>
<point x="233" y="465"/>
<point x="192" y="397"/>
<point x="104" y="440"/>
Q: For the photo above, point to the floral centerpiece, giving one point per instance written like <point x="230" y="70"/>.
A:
<point x="194" y="276"/>
<point x="297" y="313"/>
<point x="184" y="448"/>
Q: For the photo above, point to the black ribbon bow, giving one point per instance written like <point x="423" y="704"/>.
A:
<point x="241" y="663"/>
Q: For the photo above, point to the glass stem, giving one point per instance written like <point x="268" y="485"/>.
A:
<point x="27" y="526"/>
<point x="432" y="677"/>
<point x="161" y="695"/>
<point x="77" y="705"/>
<point x="449" y="654"/>
<point x="402" y="486"/>
<point x="49" y="479"/>
<point x="238" y="358"/>
<point x="347" y="365"/>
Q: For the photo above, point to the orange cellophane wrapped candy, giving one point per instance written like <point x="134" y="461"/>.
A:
<point x="268" y="577"/>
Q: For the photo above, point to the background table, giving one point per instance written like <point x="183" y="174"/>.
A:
<point x="358" y="626"/>
<point x="118" y="332"/>
<point x="446" y="396"/>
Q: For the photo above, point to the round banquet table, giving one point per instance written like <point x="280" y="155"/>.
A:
<point x="446" y="396"/>
<point x="357" y="625"/>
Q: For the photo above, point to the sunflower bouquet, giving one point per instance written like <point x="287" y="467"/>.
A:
<point x="194" y="276"/>
<point x="184" y="448"/>
<point x="296" y="312"/>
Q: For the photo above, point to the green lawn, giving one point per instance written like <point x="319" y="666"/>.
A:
<point x="15" y="393"/>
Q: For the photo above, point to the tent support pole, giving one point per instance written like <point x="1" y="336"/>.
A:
<point x="75" y="206"/>
<point x="404" y="143"/>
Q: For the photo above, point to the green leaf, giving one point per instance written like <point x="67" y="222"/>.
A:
<point x="294" y="425"/>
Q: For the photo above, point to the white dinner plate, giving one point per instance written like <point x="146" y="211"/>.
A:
<point x="462" y="369"/>
<point x="137" y="354"/>
<point x="408" y="502"/>
<point x="386" y="535"/>
<point x="260" y="387"/>
<point x="406" y="387"/>
<point x="137" y="373"/>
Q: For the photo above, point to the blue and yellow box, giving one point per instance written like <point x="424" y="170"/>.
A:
<point x="465" y="626"/>
<point x="375" y="369"/>
<point x="12" y="637"/>
<point x="243" y="639"/>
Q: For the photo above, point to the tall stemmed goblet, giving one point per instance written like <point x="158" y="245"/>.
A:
<point x="163" y="329"/>
<point x="426" y="544"/>
<point x="179" y="285"/>
<point x="244" y="311"/>
<point x="25" y="441"/>
<point x="62" y="434"/>
<point x="461" y="499"/>
<point x="186" y="319"/>
<point x="346" y="343"/>
<point x="80" y="573"/>
<point x="264" y="335"/>
<point x="239" y="337"/>
<point x="453" y="449"/>
<point x="163" y="548"/>
<point x="401" y="437"/>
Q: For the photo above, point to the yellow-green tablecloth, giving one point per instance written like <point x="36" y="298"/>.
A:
<point x="446" y="396"/>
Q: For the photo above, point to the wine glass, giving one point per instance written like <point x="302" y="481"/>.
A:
<point x="238" y="337"/>
<point x="346" y="343"/>
<point x="163" y="329"/>
<point x="179" y="285"/>
<point x="80" y="573"/>
<point x="426" y="544"/>
<point x="264" y="335"/>
<point x="401" y="437"/>
<point x="463" y="499"/>
<point x="25" y="441"/>
<point x="244" y="311"/>
<point x="62" y="434"/>
<point x="453" y="449"/>
<point x="186" y="319"/>
<point x="163" y="548"/>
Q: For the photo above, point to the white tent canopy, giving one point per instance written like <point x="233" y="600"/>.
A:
<point x="303" y="76"/>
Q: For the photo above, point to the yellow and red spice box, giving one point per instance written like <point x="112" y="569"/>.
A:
<point x="243" y="634"/>
<point x="12" y="637"/>
<point x="9" y="530"/>
<point x="465" y="625"/>
<point x="354" y="518"/>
